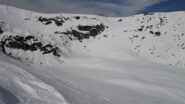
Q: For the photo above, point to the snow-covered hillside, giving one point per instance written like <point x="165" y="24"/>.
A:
<point x="88" y="59"/>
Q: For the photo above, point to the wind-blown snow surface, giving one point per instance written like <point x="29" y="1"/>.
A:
<point x="87" y="59"/>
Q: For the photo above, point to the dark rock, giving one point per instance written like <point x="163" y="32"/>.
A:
<point x="145" y="14"/>
<point x="42" y="19"/>
<point x="20" y="42"/>
<point x="1" y="31"/>
<point x="77" y="17"/>
<point x="58" y="21"/>
<point x="91" y="31"/>
<point x="119" y="20"/>
<point x="141" y="28"/>
<point x="29" y="37"/>
<point x="157" y="33"/>
<point x="135" y="36"/>
<point x="151" y="32"/>
<point x="143" y="37"/>
<point x="105" y="36"/>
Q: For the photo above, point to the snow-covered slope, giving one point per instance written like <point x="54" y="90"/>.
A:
<point x="19" y="87"/>
<point x="158" y="37"/>
<point x="82" y="59"/>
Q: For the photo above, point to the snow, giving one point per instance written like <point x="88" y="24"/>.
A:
<point x="27" y="88"/>
<point x="122" y="68"/>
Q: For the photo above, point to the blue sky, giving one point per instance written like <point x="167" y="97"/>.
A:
<point x="108" y="7"/>
<point x="168" y="6"/>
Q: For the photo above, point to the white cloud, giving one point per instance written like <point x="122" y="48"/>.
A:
<point x="109" y="7"/>
<point x="134" y="6"/>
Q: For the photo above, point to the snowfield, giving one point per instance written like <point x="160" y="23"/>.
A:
<point x="88" y="59"/>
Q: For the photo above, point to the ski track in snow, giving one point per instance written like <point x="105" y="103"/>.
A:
<point x="117" y="85"/>
<point x="27" y="88"/>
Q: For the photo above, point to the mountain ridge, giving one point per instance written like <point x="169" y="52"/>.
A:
<point x="86" y="29"/>
<point x="87" y="59"/>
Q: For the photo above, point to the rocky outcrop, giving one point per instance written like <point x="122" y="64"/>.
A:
<point x="28" y="43"/>
<point x="57" y="20"/>
<point x="90" y="31"/>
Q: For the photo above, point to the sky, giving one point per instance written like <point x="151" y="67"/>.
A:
<point x="107" y="7"/>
